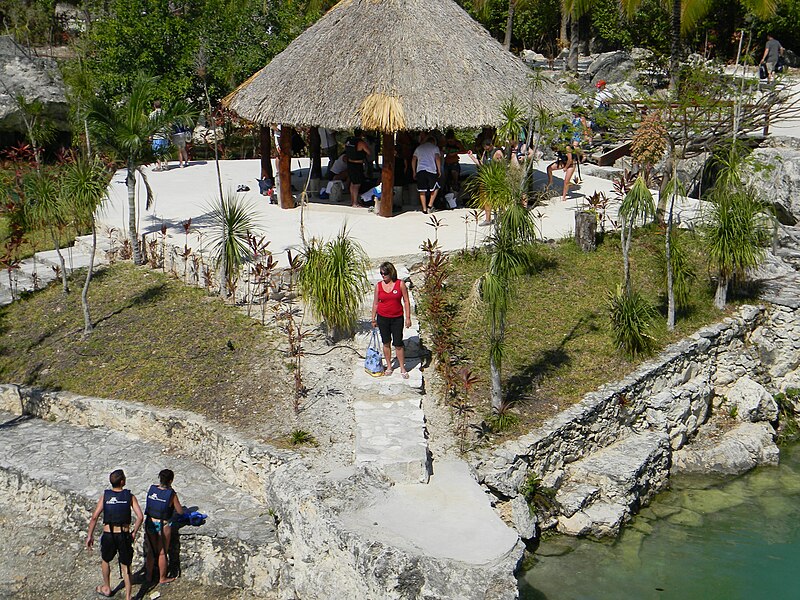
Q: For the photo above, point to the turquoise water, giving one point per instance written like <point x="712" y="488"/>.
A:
<point x="702" y="539"/>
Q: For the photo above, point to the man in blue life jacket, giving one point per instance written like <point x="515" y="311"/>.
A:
<point x="116" y="506"/>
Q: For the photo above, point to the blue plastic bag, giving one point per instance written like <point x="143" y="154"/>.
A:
<point x="373" y="363"/>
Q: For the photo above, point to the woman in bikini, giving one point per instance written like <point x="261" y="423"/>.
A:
<point x="162" y="504"/>
<point x="391" y="310"/>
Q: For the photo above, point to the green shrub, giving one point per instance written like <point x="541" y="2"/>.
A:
<point x="631" y="319"/>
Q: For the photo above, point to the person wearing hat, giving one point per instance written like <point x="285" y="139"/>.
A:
<point x="602" y="96"/>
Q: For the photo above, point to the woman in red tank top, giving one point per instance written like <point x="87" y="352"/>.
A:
<point x="390" y="312"/>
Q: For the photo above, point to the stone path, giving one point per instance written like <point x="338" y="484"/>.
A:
<point x="62" y="469"/>
<point x="36" y="272"/>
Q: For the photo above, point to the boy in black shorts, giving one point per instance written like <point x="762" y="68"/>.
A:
<point x="116" y="505"/>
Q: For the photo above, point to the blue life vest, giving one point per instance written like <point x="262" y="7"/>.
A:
<point x="159" y="503"/>
<point x="117" y="507"/>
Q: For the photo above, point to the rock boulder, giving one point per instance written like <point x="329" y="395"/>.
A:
<point x="752" y="402"/>
<point x="33" y="78"/>
<point x="778" y="181"/>
<point x="744" y="447"/>
<point x="613" y="67"/>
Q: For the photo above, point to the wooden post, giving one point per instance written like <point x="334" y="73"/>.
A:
<point x="266" y="153"/>
<point x="586" y="230"/>
<point x="314" y="152"/>
<point x="387" y="176"/>
<point x="285" y="167"/>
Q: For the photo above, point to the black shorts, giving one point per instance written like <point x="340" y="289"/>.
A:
<point x="391" y="329"/>
<point x="119" y="542"/>
<point x="356" y="172"/>
<point x="427" y="182"/>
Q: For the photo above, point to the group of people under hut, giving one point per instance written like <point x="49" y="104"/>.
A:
<point x="432" y="160"/>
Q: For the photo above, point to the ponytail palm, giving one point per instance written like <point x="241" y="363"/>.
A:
<point x="232" y="221"/>
<point x="84" y="184"/>
<point x="511" y="255"/>
<point x="333" y="281"/>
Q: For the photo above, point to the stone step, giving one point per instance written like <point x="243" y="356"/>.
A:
<point x="600" y="491"/>
<point x="390" y="434"/>
<point x="83" y="244"/>
<point x="59" y="471"/>
<point x="74" y="258"/>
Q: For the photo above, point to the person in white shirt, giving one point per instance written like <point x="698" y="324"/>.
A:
<point x="427" y="168"/>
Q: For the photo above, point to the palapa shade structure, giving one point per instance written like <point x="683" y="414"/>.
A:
<point x="387" y="65"/>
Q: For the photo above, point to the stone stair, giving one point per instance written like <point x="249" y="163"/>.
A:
<point x="600" y="492"/>
<point x="237" y="546"/>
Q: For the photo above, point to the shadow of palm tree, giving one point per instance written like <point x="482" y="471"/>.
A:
<point x="521" y="384"/>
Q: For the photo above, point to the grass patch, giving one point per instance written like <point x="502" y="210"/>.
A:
<point x="559" y="341"/>
<point x="156" y="341"/>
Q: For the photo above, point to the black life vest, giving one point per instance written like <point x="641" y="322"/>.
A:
<point x="117" y="507"/>
<point x="159" y="503"/>
<point x="351" y="151"/>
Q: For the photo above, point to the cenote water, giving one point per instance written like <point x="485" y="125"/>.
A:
<point x="702" y="539"/>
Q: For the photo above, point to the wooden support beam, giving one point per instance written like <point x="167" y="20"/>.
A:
<point x="314" y="152"/>
<point x="285" y="167"/>
<point x="387" y="176"/>
<point x="266" y="152"/>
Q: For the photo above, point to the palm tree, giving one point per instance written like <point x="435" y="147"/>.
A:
<point x="738" y="227"/>
<point x="511" y="255"/>
<point x="46" y="210"/>
<point x="232" y="222"/>
<point x="84" y="184"/>
<point x="637" y="206"/>
<point x="333" y="280"/>
<point x="126" y="129"/>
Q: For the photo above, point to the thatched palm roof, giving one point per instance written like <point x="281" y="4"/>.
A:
<point x="387" y="65"/>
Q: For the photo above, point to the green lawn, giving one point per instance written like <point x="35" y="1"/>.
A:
<point x="156" y="341"/>
<point x="558" y="344"/>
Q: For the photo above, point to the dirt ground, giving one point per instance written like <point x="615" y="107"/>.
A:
<point x="40" y="562"/>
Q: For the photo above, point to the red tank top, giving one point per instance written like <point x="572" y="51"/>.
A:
<point x="390" y="304"/>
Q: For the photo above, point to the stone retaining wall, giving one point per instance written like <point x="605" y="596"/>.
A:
<point x="674" y="393"/>
<point x="237" y="461"/>
<point x="315" y="554"/>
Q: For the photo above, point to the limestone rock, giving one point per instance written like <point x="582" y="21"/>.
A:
<point x="523" y="518"/>
<point x="613" y="67"/>
<point x="746" y="446"/>
<point x="753" y="403"/>
<point x="35" y="79"/>
<point x="578" y="524"/>
<point x="607" y="518"/>
<point x="779" y="183"/>
<point x="531" y="57"/>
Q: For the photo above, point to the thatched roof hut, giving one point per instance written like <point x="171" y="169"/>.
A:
<point x="387" y="65"/>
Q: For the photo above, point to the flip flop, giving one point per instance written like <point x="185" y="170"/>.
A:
<point x="101" y="594"/>
<point x="388" y="372"/>
<point x="404" y="375"/>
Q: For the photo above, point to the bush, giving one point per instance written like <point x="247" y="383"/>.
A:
<point x="631" y="319"/>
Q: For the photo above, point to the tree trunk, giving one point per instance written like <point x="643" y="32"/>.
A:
<point x="509" y="25"/>
<point x="586" y="230"/>
<point x="562" y="30"/>
<point x="130" y="180"/>
<point x="721" y="296"/>
<point x="627" y="234"/>
<point x="266" y="153"/>
<point x="675" y="48"/>
<point x="668" y="254"/>
<point x="572" y="60"/>
<point x="497" y="390"/>
<point x="387" y="176"/>
<point x="87" y="319"/>
<point x="315" y="153"/>
<point x="61" y="262"/>
<point x="285" y="167"/>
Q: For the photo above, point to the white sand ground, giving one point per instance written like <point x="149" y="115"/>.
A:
<point x="186" y="193"/>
